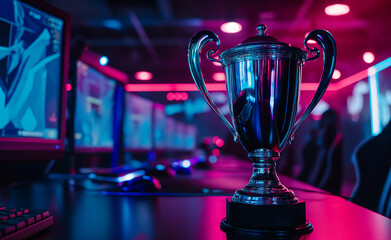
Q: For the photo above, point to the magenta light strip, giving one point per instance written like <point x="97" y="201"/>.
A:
<point x="174" y="87"/>
<point x="191" y="87"/>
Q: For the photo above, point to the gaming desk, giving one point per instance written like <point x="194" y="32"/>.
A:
<point x="89" y="214"/>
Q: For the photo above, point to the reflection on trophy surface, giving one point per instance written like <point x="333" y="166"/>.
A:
<point x="263" y="83"/>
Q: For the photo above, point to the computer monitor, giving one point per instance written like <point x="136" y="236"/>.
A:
<point x="190" y="137"/>
<point x="179" y="137"/>
<point x="34" y="46"/>
<point x="137" y="128"/>
<point x="94" y="110"/>
<point x="171" y="133"/>
<point x="159" y="127"/>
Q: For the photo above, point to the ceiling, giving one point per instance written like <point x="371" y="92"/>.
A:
<point x="153" y="35"/>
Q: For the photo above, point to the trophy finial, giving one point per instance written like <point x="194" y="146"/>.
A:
<point x="262" y="29"/>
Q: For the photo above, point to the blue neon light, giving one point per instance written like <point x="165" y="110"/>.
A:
<point x="186" y="163"/>
<point x="382" y="65"/>
<point x="160" y="167"/>
<point x="374" y="100"/>
<point x="374" y="94"/>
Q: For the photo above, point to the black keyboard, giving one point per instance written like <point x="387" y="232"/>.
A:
<point x="22" y="223"/>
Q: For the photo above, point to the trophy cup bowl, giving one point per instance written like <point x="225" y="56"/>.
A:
<point x="263" y="79"/>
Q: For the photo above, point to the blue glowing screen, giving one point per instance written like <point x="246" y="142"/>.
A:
<point x="30" y="71"/>
<point x="159" y="133"/>
<point x="94" y="108"/>
<point x="137" y="122"/>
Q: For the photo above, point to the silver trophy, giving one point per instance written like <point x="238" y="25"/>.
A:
<point x="263" y="79"/>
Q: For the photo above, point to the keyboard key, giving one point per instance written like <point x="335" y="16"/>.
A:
<point x="6" y="228"/>
<point x="29" y="219"/>
<point x="24" y="210"/>
<point x="19" y="224"/>
<point x="43" y="213"/>
<point x="3" y="216"/>
<point x="22" y="223"/>
<point x="11" y="212"/>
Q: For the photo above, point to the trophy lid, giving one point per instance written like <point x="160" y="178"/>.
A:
<point x="261" y="46"/>
<point x="262" y="37"/>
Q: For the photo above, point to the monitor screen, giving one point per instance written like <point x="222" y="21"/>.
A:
<point x="171" y="133"/>
<point x="137" y="123"/>
<point x="94" y="113"/>
<point x="190" y="137"/>
<point x="159" y="127"/>
<point x="179" y="137"/>
<point x="34" y="45"/>
<point x="383" y="98"/>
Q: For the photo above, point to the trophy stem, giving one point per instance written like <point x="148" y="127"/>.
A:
<point x="264" y="187"/>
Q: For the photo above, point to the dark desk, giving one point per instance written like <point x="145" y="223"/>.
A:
<point x="87" y="214"/>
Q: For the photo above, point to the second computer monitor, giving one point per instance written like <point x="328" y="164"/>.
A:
<point x="137" y="127"/>
<point x="94" y="113"/>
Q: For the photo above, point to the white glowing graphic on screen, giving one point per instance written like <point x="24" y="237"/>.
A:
<point x="355" y="103"/>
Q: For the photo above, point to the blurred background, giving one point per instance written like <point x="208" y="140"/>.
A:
<point x="153" y="35"/>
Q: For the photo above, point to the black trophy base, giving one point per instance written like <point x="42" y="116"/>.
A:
<point x="266" y="220"/>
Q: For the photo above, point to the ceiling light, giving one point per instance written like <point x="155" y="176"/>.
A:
<point x="336" y="74"/>
<point x="337" y="9"/>
<point x="219" y="76"/>
<point x="368" y="57"/>
<point x="143" y="75"/>
<point x="231" y="27"/>
<point x="103" y="60"/>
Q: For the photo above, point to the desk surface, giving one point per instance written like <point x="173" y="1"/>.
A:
<point x="87" y="214"/>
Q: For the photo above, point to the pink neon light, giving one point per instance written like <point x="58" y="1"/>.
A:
<point x="93" y="59"/>
<point x="187" y="87"/>
<point x="207" y="141"/>
<point x="68" y="87"/>
<point x="231" y="27"/>
<point x="215" y="138"/>
<point x="170" y="96"/>
<point x="178" y="96"/>
<point x="185" y="96"/>
<point x="337" y="9"/>
<point x="217" y="64"/>
<point x="143" y="75"/>
<point x="219" y="76"/>
<point x="368" y="57"/>
<point x="216" y="152"/>
<point x="166" y="87"/>
<point x="350" y="80"/>
<point x="220" y="142"/>
<point x="336" y="74"/>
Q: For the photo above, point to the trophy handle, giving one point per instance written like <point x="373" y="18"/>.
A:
<point x="327" y="42"/>
<point x="195" y="46"/>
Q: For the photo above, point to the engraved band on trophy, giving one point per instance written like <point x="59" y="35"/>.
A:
<point x="263" y="79"/>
